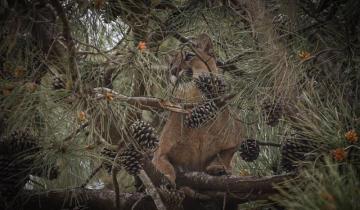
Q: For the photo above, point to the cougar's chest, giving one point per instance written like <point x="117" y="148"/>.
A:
<point x="194" y="147"/>
<point x="193" y="152"/>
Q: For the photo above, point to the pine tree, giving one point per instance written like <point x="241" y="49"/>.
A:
<point x="291" y="62"/>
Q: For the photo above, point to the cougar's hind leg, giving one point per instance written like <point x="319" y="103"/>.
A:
<point x="220" y="164"/>
<point x="163" y="164"/>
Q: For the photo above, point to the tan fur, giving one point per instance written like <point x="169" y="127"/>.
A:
<point x="209" y="148"/>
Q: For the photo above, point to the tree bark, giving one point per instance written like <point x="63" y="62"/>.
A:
<point x="234" y="189"/>
<point x="86" y="198"/>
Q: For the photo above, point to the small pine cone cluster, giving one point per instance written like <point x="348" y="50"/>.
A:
<point x="201" y="114"/>
<point x="171" y="196"/>
<point x="249" y="150"/>
<point x="131" y="160"/>
<point x="293" y="150"/>
<point x="58" y="83"/>
<point x="144" y="135"/>
<point x="211" y="86"/>
<point x="109" y="156"/>
<point x="272" y="112"/>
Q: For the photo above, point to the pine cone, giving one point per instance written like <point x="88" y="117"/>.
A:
<point x="131" y="160"/>
<point x="211" y="86"/>
<point x="144" y="135"/>
<point x="249" y="150"/>
<point x="58" y="83"/>
<point x="292" y="151"/>
<point x="201" y="114"/>
<point x="109" y="156"/>
<point x="272" y="112"/>
<point x="171" y="196"/>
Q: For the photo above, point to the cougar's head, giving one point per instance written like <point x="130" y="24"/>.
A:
<point x="188" y="64"/>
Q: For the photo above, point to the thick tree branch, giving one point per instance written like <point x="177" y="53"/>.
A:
<point x="234" y="184"/>
<point x="236" y="189"/>
<point x="89" y="199"/>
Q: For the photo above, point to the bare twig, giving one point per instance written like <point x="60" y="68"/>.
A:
<point x="141" y="102"/>
<point x="37" y="183"/>
<point x="147" y="103"/>
<point x="95" y="171"/>
<point x="224" y="201"/>
<point x="114" y="172"/>
<point x="151" y="190"/>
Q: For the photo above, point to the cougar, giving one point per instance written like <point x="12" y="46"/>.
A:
<point x="209" y="148"/>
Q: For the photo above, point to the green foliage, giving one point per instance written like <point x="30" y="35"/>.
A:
<point x="320" y="94"/>
<point x="331" y="186"/>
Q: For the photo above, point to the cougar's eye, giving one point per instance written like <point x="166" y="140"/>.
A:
<point x="189" y="56"/>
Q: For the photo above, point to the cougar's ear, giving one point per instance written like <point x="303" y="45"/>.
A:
<point x="204" y="43"/>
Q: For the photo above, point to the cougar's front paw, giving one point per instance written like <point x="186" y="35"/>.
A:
<point x="171" y="179"/>
<point x="217" y="170"/>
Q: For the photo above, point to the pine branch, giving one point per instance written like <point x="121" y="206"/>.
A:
<point x="148" y="103"/>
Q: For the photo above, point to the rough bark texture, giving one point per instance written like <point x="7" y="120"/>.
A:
<point x="234" y="189"/>
<point x="87" y="199"/>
